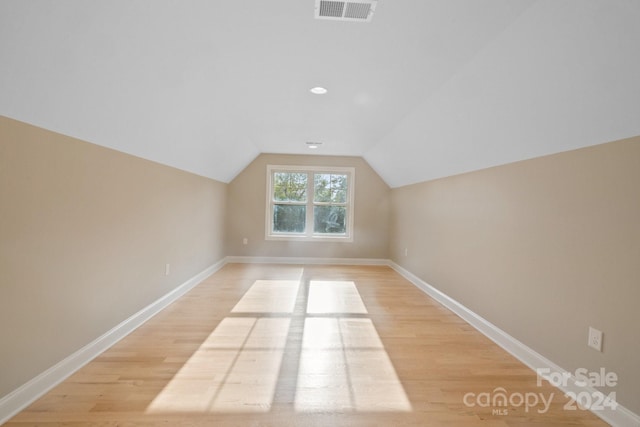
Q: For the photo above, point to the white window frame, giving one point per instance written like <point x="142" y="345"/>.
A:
<point x="308" y="234"/>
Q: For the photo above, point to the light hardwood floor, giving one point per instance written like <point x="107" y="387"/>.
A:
<point x="284" y="345"/>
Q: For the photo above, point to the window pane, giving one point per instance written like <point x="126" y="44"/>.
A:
<point x="322" y="185"/>
<point x="339" y="188"/>
<point x="289" y="218"/>
<point x="289" y="187"/>
<point x="330" y="188"/>
<point x="329" y="219"/>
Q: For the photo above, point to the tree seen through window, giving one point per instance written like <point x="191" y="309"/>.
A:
<point x="309" y="203"/>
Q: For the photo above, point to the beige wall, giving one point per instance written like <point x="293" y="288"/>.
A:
<point x="247" y="204"/>
<point x="542" y="248"/>
<point x="85" y="233"/>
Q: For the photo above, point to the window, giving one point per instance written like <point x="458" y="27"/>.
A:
<point x="309" y="203"/>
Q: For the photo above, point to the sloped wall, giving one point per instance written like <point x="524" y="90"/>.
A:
<point x="85" y="234"/>
<point x="542" y="248"/>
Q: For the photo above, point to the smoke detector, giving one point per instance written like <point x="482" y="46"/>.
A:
<point x="353" y="10"/>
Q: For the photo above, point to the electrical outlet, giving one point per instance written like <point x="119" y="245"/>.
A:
<point x="245" y="241"/>
<point x="595" y="339"/>
<point x="167" y="269"/>
<point x="406" y="252"/>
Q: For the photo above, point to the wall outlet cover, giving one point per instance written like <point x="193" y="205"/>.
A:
<point x="595" y="339"/>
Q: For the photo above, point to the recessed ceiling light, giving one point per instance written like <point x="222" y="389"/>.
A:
<point x="318" y="90"/>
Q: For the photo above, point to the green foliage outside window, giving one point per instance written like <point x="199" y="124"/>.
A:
<point x="329" y="219"/>
<point x="290" y="187"/>
<point x="289" y="218"/>
<point x="329" y="202"/>
<point x="330" y="188"/>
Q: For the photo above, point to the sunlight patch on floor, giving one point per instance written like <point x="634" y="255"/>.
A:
<point x="269" y="296"/>
<point x="334" y="297"/>
<point x="344" y="367"/>
<point x="341" y="361"/>
<point x="235" y="369"/>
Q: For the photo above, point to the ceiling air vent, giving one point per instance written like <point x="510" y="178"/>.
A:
<point x="355" y="10"/>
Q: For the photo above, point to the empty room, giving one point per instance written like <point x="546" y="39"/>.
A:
<point x="320" y="213"/>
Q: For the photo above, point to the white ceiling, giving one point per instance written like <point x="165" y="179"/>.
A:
<point x="427" y="89"/>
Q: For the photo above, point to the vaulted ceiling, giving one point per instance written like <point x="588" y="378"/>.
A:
<point x="428" y="88"/>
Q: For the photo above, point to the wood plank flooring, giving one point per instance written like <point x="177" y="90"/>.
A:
<point x="284" y="345"/>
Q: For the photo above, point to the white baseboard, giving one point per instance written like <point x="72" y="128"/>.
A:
<point x="305" y="260"/>
<point x="26" y="394"/>
<point x="619" y="417"/>
<point x="20" y="398"/>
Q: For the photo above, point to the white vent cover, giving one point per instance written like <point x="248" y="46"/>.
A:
<point x="354" y="10"/>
